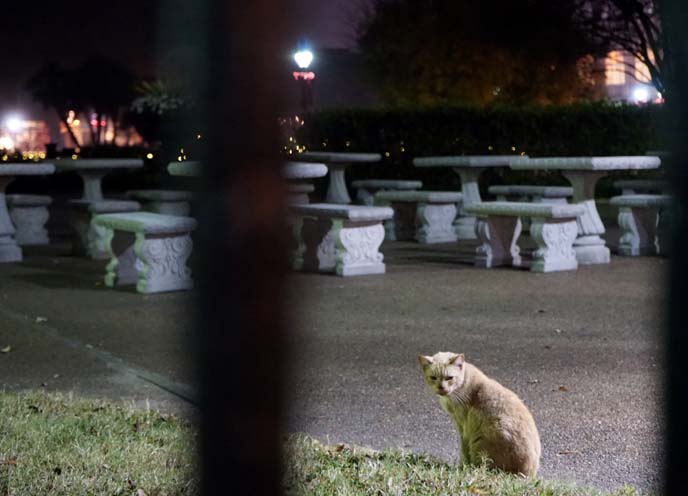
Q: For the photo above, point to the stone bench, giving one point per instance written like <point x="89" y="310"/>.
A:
<point x="90" y="239"/>
<point x="645" y="222"/>
<point x="166" y="202"/>
<point x="148" y="249"/>
<point x="536" y="194"/>
<point x="366" y="188"/>
<point x="426" y="216"/>
<point x="640" y="186"/>
<point x="29" y="214"/>
<point x="298" y="193"/>
<point x="528" y="193"/>
<point x="344" y="239"/>
<point x="553" y="227"/>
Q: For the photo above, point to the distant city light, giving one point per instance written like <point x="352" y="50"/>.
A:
<point x="6" y="143"/>
<point x="14" y="124"/>
<point x="641" y="95"/>
<point x="149" y="156"/>
<point x="303" y="58"/>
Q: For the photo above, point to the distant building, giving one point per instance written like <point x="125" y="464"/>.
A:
<point x="628" y="79"/>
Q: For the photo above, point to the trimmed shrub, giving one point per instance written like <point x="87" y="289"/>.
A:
<point x="400" y="134"/>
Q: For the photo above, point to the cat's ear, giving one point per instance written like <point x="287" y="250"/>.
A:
<point x="424" y="360"/>
<point x="458" y="360"/>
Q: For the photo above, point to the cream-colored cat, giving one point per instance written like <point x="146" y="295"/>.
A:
<point x="491" y="420"/>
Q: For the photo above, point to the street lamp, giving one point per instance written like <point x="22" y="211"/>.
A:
<point x="304" y="77"/>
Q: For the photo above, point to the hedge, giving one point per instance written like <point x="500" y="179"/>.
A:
<point x="402" y="134"/>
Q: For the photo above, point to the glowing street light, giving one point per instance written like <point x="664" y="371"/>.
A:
<point x="641" y="95"/>
<point x="303" y="58"/>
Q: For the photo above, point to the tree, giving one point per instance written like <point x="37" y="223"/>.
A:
<point x="53" y="87"/>
<point x="98" y="87"/>
<point x="477" y="51"/>
<point x="632" y="26"/>
<point x="105" y="88"/>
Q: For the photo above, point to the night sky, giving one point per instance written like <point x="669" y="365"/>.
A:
<point x="36" y="32"/>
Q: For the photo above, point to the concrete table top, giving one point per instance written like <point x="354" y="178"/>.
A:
<point x="26" y="169"/>
<point x="338" y="157"/>
<point x="9" y="249"/>
<point x="465" y="161"/>
<point x="337" y="164"/>
<point x="188" y="168"/>
<point x="98" y="163"/>
<point x="303" y="170"/>
<point x="92" y="171"/>
<point x="583" y="174"/>
<point x="469" y="168"/>
<point x="586" y="163"/>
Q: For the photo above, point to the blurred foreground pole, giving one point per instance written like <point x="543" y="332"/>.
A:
<point x="675" y="24"/>
<point x="242" y="250"/>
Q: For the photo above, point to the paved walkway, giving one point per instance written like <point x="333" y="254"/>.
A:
<point x="69" y="333"/>
<point x="581" y="348"/>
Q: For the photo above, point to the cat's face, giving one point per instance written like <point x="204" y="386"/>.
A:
<point x="444" y="372"/>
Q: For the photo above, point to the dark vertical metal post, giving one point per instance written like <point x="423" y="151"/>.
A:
<point x="675" y="23"/>
<point x="242" y="250"/>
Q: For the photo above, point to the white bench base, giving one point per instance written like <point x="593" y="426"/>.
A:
<point x="29" y="214"/>
<point x="339" y="238"/>
<point x="149" y="250"/>
<point x="424" y="216"/>
<point x="553" y="227"/>
<point x="644" y="222"/>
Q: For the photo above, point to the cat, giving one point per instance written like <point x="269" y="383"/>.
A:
<point x="492" y="421"/>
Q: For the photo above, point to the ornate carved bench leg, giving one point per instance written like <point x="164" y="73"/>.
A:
<point x="357" y="247"/>
<point x="316" y="252"/>
<point x="96" y="243"/>
<point x="498" y="236"/>
<point x="161" y="263"/>
<point x="435" y="223"/>
<point x="555" y="244"/>
<point x="639" y="227"/>
<point x="29" y="223"/>
<point x="121" y="269"/>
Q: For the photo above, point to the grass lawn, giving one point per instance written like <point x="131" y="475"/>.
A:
<point x="316" y="469"/>
<point x="58" y="445"/>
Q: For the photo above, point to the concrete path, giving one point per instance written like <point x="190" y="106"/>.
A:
<point x="66" y="332"/>
<point x="581" y="348"/>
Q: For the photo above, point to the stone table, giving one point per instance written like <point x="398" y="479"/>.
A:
<point x="92" y="171"/>
<point x="9" y="250"/>
<point x="337" y="164"/>
<point x="296" y="173"/>
<point x="583" y="174"/>
<point x="469" y="168"/>
<point x="188" y="168"/>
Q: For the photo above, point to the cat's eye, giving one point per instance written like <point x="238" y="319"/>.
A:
<point x="448" y="378"/>
<point x="433" y="378"/>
